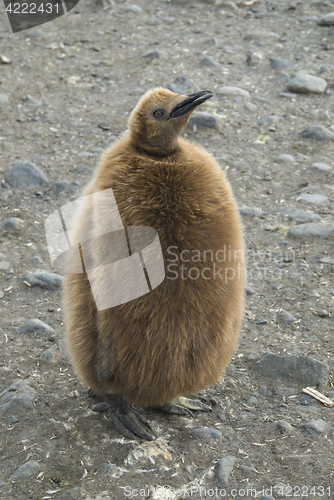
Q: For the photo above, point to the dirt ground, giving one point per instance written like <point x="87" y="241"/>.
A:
<point x="71" y="85"/>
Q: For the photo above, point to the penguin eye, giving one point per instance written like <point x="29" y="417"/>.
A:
<point x="159" y="113"/>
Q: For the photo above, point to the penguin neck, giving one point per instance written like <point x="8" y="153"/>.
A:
<point x="160" y="148"/>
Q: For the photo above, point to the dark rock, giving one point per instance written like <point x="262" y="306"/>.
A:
<point x="205" y="433"/>
<point x="60" y="185"/>
<point x="12" y="224"/>
<point x="209" y="62"/>
<point x="52" y="355"/>
<point x="35" y="261"/>
<point x="183" y="85"/>
<point x="249" y="290"/>
<point x="25" y="175"/>
<point x="26" y="470"/>
<point x="327" y="20"/>
<point x="317" y="133"/>
<point x="224" y="468"/>
<point x="302" y="369"/>
<point x="313" y="229"/>
<point x="34" y="325"/>
<point x="100" y="407"/>
<point x="286" y="317"/>
<point x="284" y="427"/>
<point x="50" y="281"/>
<point x="155" y="54"/>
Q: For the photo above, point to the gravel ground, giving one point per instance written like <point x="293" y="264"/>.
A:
<point x="66" y="91"/>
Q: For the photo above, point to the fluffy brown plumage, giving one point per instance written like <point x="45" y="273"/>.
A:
<point x="177" y="339"/>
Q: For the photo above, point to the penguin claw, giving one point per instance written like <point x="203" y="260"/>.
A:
<point x="128" y="421"/>
<point x="183" y="406"/>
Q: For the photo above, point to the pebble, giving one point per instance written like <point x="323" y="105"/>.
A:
<point x="52" y="355"/>
<point x="285" y="158"/>
<point x="60" y="186"/>
<point x="284" y="427"/>
<point x="307" y="84"/>
<point x="251" y="211"/>
<point x="286" y="317"/>
<point x="45" y="280"/>
<point x="183" y="85"/>
<point x="281" y="78"/>
<point x="261" y="35"/>
<point x="73" y="494"/>
<point x="26" y="470"/>
<point x="134" y="9"/>
<point x="278" y="63"/>
<point x="100" y="407"/>
<point x="5" y="59"/>
<point x="149" y="450"/>
<point x="34" y="325"/>
<point x="315" y="426"/>
<point x="317" y="133"/>
<point x="209" y="62"/>
<point x="300" y="216"/>
<point x="302" y="369"/>
<point x="155" y="54"/>
<point x="249" y="290"/>
<point x="211" y="42"/>
<point x="320" y="230"/>
<point x="252" y="400"/>
<point x="18" y="397"/>
<point x="203" y="119"/>
<point x="323" y="69"/>
<point x="4" y="265"/>
<point x="12" y="224"/>
<point x="83" y="169"/>
<point x="4" y="99"/>
<point x="35" y="260"/>
<point x="314" y="198"/>
<point x="25" y="175"/>
<point x="269" y="121"/>
<point x="224" y="468"/>
<point x="230" y="91"/>
<point x="327" y="20"/>
<point x="205" y="433"/>
<point x="323" y="313"/>
<point x="321" y="167"/>
<point x="249" y="106"/>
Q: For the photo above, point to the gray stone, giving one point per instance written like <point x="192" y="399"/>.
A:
<point x="224" y="468"/>
<point x="183" y="85"/>
<point x="4" y="99"/>
<point x="321" y="167"/>
<point x="278" y="63"/>
<point x="300" y="216"/>
<point x="249" y="106"/>
<point x="251" y="211"/>
<point x="12" y="419"/>
<point x="52" y="355"/>
<point x="286" y="317"/>
<point x="320" y="230"/>
<point x="26" y="470"/>
<point x="134" y="9"/>
<point x="155" y="54"/>
<point x="314" y="198"/>
<point x="249" y="290"/>
<point x="4" y="265"/>
<point x="323" y="313"/>
<point x="72" y="494"/>
<point x="302" y="369"/>
<point x="35" y="261"/>
<point x="231" y="91"/>
<point x="60" y="186"/>
<point x="209" y="62"/>
<point x="284" y="427"/>
<point x="12" y="224"/>
<point x="205" y="433"/>
<point x="327" y="20"/>
<point x="284" y="158"/>
<point x="317" y="133"/>
<point x="323" y="69"/>
<point x="50" y="281"/>
<point x="100" y="407"/>
<point x="261" y="35"/>
<point x="315" y="426"/>
<point x="25" y="175"/>
<point x="307" y="84"/>
<point x="17" y="405"/>
<point x="211" y="42"/>
<point x="268" y="121"/>
<point x="252" y="400"/>
<point x="83" y="170"/>
<point x="203" y="119"/>
<point x="34" y="325"/>
<point x="281" y="78"/>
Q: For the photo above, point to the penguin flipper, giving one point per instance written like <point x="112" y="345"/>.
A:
<point x="128" y="421"/>
<point x="183" y="406"/>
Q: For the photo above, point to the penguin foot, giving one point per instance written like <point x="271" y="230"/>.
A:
<point x="183" y="406"/>
<point x="128" y="421"/>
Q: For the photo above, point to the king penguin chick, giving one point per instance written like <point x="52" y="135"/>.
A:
<point x="177" y="339"/>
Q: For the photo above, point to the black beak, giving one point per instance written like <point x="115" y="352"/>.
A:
<point x="192" y="101"/>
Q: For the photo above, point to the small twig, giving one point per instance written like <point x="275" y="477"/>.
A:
<point x="318" y="396"/>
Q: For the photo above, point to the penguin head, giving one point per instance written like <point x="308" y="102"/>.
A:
<point x="159" y="118"/>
